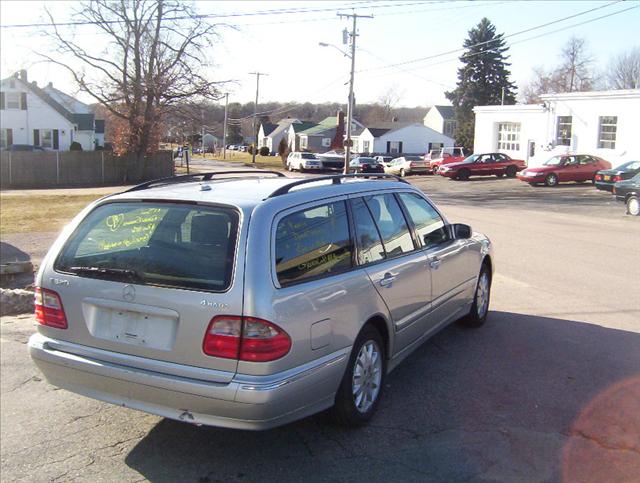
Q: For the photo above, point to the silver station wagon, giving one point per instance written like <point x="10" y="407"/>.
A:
<point x="251" y="300"/>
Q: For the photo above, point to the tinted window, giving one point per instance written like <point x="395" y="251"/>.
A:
<point x="370" y="247"/>
<point x="391" y="224"/>
<point x="313" y="243"/>
<point x="427" y="222"/>
<point x="308" y="156"/>
<point x="155" y="243"/>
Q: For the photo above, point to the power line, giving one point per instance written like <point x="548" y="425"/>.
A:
<point x="455" y="51"/>
<point x="288" y="11"/>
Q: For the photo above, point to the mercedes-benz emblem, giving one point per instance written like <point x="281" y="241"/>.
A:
<point x="129" y="293"/>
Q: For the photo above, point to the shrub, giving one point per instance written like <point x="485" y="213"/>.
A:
<point x="75" y="146"/>
<point x="264" y="151"/>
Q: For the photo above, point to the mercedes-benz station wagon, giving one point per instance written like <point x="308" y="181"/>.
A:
<point x="251" y="300"/>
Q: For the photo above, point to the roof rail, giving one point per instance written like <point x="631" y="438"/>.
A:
<point x="336" y="179"/>
<point x="185" y="178"/>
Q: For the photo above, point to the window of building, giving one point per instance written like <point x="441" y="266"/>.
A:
<point x="509" y="136"/>
<point x="46" y="138"/>
<point x="427" y="222"/>
<point x="326" y="142"/>
<point x="394" y="147"/>
<point x="608" y="129"/>
<point x="5" y="138"/>
<point x="563" y="131"/>
<point x="366" y="146"/>
<point x="303" y="142"/>
<point x="313" y="243"/>
<point x="391" y="224"/>
<point x="12" y="100"/>
<point x="450" y="128"/>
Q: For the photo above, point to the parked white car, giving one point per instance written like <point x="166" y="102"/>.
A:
<point x="406" y="165"/>
<point x="297" y="161"/>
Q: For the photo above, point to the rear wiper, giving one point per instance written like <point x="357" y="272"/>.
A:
<point x="122" y="272"/>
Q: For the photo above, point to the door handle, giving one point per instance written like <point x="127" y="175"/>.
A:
<point x="387" y="280"/>
<point x="435" y="263"/>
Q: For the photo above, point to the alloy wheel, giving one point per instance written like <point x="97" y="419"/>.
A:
<point x="367" y="376"/>
<point x="633" y="206"/>
<point x="482" y="295"/>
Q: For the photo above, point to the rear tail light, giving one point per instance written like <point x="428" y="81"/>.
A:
<point x="617" y="178"/>
<point x="48" y="309"/>
<point x="245" y="338"/>
<point x="598" y="177"/>
<point x="412" y="165"/>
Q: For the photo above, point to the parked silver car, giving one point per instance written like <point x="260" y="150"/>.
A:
<point x="406" y="165"/>
<point x="252" y="302"/>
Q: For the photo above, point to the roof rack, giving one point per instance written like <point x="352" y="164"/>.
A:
<point x="185" y="178"/>
<point x="335" y="179"/>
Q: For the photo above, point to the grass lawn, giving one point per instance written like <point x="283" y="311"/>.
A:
<point x="240" y="157"/>
<point x="40" y="213"/>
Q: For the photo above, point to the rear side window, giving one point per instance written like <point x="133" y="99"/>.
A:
<point x="391" y="224"/>
<point x="428" y="224"/>
<point x="370" y="248"/>
<point x="313" y="243"/>
<point x="175" y="245"/>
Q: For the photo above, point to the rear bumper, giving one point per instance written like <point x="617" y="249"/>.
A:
<point x="604" y="186"/>
<point x="247" y="402"/>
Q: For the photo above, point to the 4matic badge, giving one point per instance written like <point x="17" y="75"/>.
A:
<point x="214" y="305"/>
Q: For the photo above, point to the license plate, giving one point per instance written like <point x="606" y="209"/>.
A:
<point x="607" y="178"/>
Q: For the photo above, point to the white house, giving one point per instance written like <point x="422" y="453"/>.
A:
<point x="399" y="137"/>
<point x="45" y="117"/>
<point x="602" y="123"/>
<point x="441" y="119"/>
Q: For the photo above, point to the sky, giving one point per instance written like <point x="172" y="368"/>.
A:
<point x="270" y="37"/>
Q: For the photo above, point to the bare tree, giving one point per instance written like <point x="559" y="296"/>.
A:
<point x="151" y="62"/>
<point x="574" y="74"/>
<point x="624" y="70"/>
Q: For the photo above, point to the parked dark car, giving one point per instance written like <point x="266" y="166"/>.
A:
<point x="606" y="178"/>
<point x="488" y="164"/>
<point x="628" y="191"/>
<point x="568" y="167"/>
<point x="24" y="147"/>
<point x="364" y="164"/>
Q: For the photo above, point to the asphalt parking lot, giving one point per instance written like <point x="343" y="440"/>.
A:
<point x="547" y="390"/>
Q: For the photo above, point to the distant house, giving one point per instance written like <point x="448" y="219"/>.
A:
<point x="318" y="138"/>
<point x="602" y="123"/>
<point x="270" y="134"/>
<point x="441" y="119"/>
<point x="398" y="138"/>
<point x="45" y="117"/>
<point x="293" y="133"/>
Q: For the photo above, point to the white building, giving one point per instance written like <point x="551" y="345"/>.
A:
<point x="45" y="117"/>
<point x="441" y="119"/>
<point x="602" y="123"/>
<point x="399" y="137"/>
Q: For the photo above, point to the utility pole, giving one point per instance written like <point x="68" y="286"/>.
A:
<point x="224" y="129"/>
<point x="255" y="116"/>
<point x="202" y="135"/>
<point x="350" y="106"/>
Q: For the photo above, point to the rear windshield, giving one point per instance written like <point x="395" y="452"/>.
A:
<point x="175" y="245"/>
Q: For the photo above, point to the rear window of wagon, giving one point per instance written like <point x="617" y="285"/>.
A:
<point x="175" y="245"/>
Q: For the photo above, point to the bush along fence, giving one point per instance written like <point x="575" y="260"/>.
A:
<point x="51" y="169"/>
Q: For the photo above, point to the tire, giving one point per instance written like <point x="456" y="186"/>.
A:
<point x="551" y="180"/>
<point x="402" y="173"/>
<point x="290" y="167"/>
<point x="633" y="206"/>
<point x="511" y="171"/>
<point x="463" y="174"/>
<point x="477" y="316"/>
<point x="435" y="169"/>
<point x="348" y="411"/>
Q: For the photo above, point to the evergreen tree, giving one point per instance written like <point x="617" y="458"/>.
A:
<point x="481" y="78"/>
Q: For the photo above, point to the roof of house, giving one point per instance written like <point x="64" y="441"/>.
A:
<point x="303" y="126"/>
<point x="445" y="111"/>
<point x="268" y="128"/>
<point x="384" y="127"/>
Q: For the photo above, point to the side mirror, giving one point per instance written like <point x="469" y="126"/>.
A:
<point x="461" y="231"/>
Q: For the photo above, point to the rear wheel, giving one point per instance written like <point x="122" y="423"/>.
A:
<point x="633" y="206"/>
<point x="361" y="387"/>
<point x="551" y="180"/>
<point x="435" y="169"/>
<point x="402" y="173"/>
<point x="480" y="307"/>
<point x="511" y="171"/>
<point x="463" y="175"/>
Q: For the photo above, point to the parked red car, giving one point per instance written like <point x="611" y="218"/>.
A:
<point x="487" y="164"/>
<point x="568" y="167"/>
<point x="436" y="158"/>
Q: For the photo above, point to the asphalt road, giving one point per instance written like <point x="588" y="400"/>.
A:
<point x="547" y="390"/>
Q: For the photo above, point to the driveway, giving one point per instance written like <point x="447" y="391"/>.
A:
<point x="547" y="390"/>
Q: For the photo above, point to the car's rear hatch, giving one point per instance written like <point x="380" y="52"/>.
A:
<point x="146" y="278"/>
